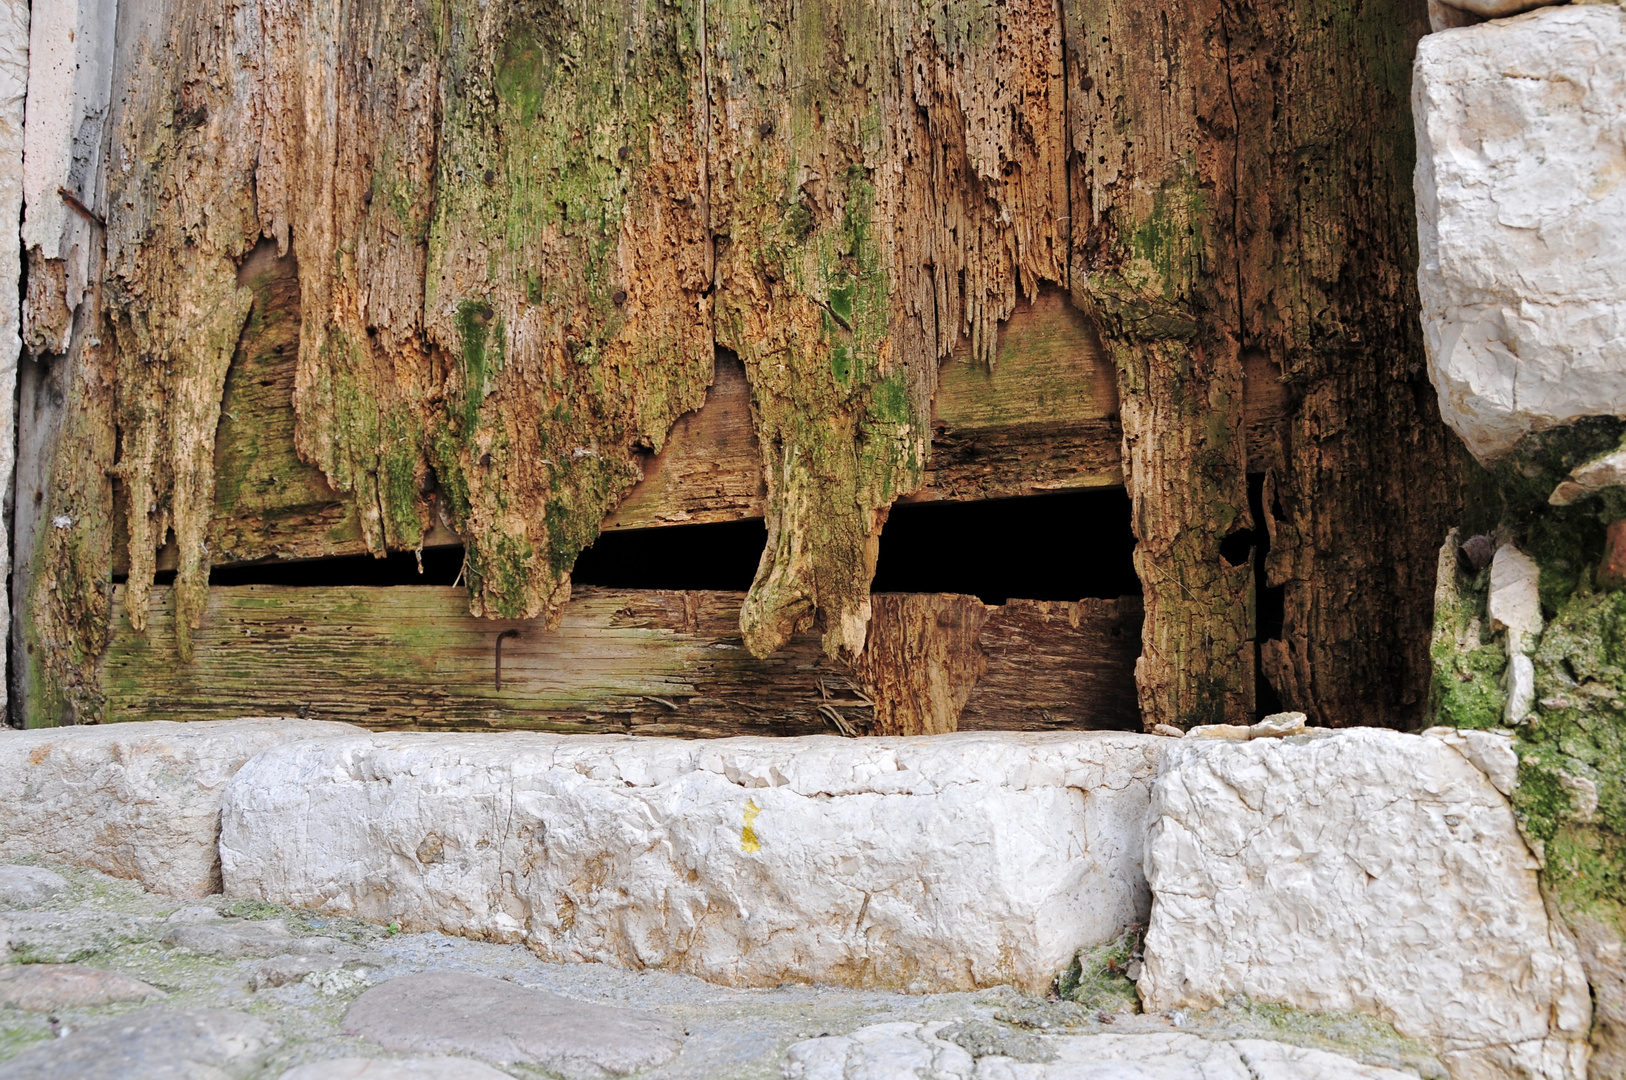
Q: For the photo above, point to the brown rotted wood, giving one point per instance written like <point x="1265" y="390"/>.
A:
<point x="1056" y="666"/>
<point x="1156" y="263"/>
<point x="1044" y="418"/>
<point x="1242" y="202"/>
<point x="646" y="662"/>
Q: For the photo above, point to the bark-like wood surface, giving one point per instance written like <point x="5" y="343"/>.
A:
<point x="1242" y="197"/>
<point x="645" y="662"/>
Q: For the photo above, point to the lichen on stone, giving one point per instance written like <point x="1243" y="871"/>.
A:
<point x="1571" y="794"/>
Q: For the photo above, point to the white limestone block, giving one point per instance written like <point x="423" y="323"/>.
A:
<point x="1515" y="598"/>
<point x="70" y="86"/>
<point x="1371" y="872"/>
<point x="136" y="800"/>
<point x="1491" y="752"/>
<point x="1521" y="206"/>
<point x="935" y="863"/>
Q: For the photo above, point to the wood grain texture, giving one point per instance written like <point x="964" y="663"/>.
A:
<point x="1243" y="203"/>
<point x="1155" y="267"/>
<point x="886" y="181"/>
<point x="922" y="659"/>
<point x="1057" y="666"/>
<point x="646" y="662"/>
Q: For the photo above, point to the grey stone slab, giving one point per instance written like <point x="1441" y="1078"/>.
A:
<point x="29" y="886"/>
<point x="440" y="1068"/>
<point x="153" y="1044"/>
<point x="231" y="940"/>
<point x="453" y="1012"/>
<point x="282" y="970"/>
<point x="48" y="987"/>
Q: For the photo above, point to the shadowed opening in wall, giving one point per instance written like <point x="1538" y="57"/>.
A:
<point x="1048" y="547"/>
<point x="1044" y="547"/>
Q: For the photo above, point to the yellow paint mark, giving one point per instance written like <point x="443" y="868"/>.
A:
<point x="748" y="835"/>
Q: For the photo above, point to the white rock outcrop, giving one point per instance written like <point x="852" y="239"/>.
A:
<point x="136" y="800"/>
<point x="1371" y="872"/>
<point x="1521" y="205"/>
<point x="934" y="863"/>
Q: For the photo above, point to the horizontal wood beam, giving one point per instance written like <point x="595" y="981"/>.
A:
<point x="624" y="661"/>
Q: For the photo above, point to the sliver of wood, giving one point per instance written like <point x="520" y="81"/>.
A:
<point x="650" y="662"/>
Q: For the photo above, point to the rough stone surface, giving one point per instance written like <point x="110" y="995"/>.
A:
<point x="47" y="987"/>
<point x="1515" y="600"/>
<point x="1521" y="204"/>
<point x="138" y="801"/>
<point x="1491" y="752"/>
<point x="235" y="939"/>
<point x="946" y="862"/>
<point x="928" y="1052"/>
<point x="1371" y="872"/>
<point x="153" y="1044"/>
<point x="387" y="1069"/>
<point x="1605" y="471"/>
<point x="28" y="886"/>
<point x="453" y="1012"/>
<point x="729" y="1033"/>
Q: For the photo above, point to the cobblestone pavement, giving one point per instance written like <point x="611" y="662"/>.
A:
<point x="242" y="989"/>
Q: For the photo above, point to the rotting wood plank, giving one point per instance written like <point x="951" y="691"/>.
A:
<point x="622" y="661"/>
<point x="1060" y="666"/>
<point x="1043" y="419"/>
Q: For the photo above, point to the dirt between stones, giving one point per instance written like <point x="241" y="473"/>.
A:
<point x="258" y="992"/>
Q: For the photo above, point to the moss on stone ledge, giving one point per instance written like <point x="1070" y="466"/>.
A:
<point x="1571" y="798"/>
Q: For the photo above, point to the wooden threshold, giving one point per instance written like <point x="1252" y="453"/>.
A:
<point x="625" y="661"/>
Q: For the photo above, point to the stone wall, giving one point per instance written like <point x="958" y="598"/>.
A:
<point x="1521" y="184"/>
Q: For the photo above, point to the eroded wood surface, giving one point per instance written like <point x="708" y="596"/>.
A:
<point x="1042" y="419"/>
<point x="645" y="662"/>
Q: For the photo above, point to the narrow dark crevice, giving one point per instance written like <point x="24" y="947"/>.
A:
<point x="1048" y="547"/>
<point x="1270" y="611"/>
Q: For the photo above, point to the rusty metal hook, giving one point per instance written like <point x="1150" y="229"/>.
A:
<point x="500" y="637"/>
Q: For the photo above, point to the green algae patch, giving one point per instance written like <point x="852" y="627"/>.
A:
<point x="564" y="275"/>
<point x="1469" y="660"/>
<point x="1098" y="977"/>
<point x="1571" y="796"/>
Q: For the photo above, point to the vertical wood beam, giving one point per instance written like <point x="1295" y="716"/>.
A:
<point x="1155" y="261"/>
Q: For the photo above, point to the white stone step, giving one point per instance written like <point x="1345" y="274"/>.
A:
<point x="138" y="800"/>
<point x="947" y="862"/>
<point x="1367" y="871"/>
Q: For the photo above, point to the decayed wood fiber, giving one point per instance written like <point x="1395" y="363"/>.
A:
<point x="885" y="181"/>
<point x="503" y="217"/>
<point x="523" y="228"/>
<point x="1158" y="274"/>
<point x="502" y="266"/>
<point x="1242" y="195"/>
